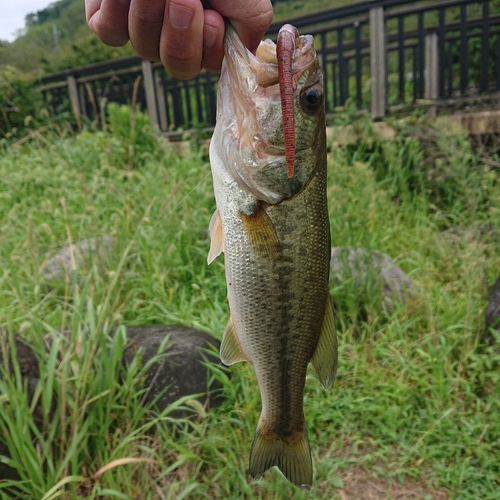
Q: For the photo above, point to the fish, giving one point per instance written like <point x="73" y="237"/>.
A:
<point x="268" y="162"/>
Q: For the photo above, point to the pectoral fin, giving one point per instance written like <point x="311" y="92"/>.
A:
<point x="325" y="358"/>
<point x="230" y="349"/>
<point x="261" y="233"/>
<point x="216" y="237"/>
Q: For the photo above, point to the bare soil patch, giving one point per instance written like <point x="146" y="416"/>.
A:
<point x="363" y="484"/>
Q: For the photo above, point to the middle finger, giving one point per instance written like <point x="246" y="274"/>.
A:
<point x="145" y="25"/>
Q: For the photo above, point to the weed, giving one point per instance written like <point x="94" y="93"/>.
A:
<point x="415" y="400"/>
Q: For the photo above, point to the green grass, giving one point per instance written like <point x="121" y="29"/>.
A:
<point x="416" y="399"/>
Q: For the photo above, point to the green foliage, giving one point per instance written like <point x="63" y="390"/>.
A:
<point x="73" y="44"/>
<point x="21" y="102"/>
<point x="22" y="109"/>
<point x="29" y="49"/>
<point x="416" y="400"/>
<point x="99" y="414"/>
<point x="86" y="49"/>
<point x="50" y="13"/>
<point x="431" y="161"/>
<point x="57" y="38"/>
<point x="133" y="132"/>
<point x="284" y="9"/>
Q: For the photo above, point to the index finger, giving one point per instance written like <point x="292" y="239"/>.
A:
<point x="108" y="19"/>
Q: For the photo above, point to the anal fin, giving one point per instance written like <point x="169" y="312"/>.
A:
<point x="230" y="349"/>
<point x="325" y="357"/>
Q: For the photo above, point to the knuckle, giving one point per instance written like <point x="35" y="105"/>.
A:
<point x="148" y="13"/>
<point x="113" y="38"/>
<point x="212" y="62"/>
<point x="181" y="66"/>
<point x="261" y="15"/>
<point x="147" y="53"/>
<point x="182" y="73"/>
<point x="145" y="20"/>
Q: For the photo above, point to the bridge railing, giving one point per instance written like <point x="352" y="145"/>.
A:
<point x="377" y="55"/>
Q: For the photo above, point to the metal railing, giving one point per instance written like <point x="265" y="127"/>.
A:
<point x="376" y="55"/>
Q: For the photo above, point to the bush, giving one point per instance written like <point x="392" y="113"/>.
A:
<point x="430" y="161"/>
<point x="133" y="131"/>
<point x="20" y="102"/>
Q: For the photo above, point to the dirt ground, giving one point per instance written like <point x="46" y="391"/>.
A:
<point x="362" y="484"/>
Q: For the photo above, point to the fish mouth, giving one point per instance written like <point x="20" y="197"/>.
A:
<point x="250" y="108"/>
<point x="264" y="63"/>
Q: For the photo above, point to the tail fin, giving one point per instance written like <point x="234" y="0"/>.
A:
<point x="291" y="456"/>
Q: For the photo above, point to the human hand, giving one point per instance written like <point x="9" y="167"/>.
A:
<point x="186" y="35"/>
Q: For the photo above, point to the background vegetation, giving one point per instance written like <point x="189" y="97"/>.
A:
<point x="57" y="37"/>
<point x="416" y="401"/>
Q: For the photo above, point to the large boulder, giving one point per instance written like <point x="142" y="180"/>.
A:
<point x="492" y="315"/>
<point x="28" y="366"/>
<point x="480" y="233"/>
<point x="181" y="371"/>
<point x="367" y="269"/>
<point x="79" y="255"/>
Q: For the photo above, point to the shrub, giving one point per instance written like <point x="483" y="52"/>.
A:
<point x="20" y="101"/>
<point x="430" y="161"/>
<point x="133" y="130"/>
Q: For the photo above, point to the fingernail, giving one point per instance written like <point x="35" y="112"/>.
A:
<point x="210" y="35"/>
<point x="180" y="17"/>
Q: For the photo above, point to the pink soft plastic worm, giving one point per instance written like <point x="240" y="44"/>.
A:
<point x="285" y="48"/>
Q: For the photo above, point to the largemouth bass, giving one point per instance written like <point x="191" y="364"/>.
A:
<point x="272" y="224"/>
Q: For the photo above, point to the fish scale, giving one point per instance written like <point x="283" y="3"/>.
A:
<point x="274" y="232"/>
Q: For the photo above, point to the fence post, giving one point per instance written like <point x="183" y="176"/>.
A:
<point x="485" y="48"/>
<point x="162" y="105"/>
<point x="431" y="66"/>
<point x="73" y="96"/>
<point x="149" y="89"/>
<point x="378" y="51"/>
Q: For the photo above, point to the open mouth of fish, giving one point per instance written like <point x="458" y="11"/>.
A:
<point x="260" y="108"/>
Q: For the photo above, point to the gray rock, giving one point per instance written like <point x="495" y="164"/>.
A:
<point x="370" y="269"/>
<point x="476" y="232"/>
<point x="181" y="371"/>
<point x="492" y="315"/>
<point x="76" y="256"/>
<point x="26" y="357"/>
<point x="28" y="365"/>
<point x="7" y="472"/>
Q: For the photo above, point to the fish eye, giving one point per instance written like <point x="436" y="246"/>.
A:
<point x="311" y="99"/>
